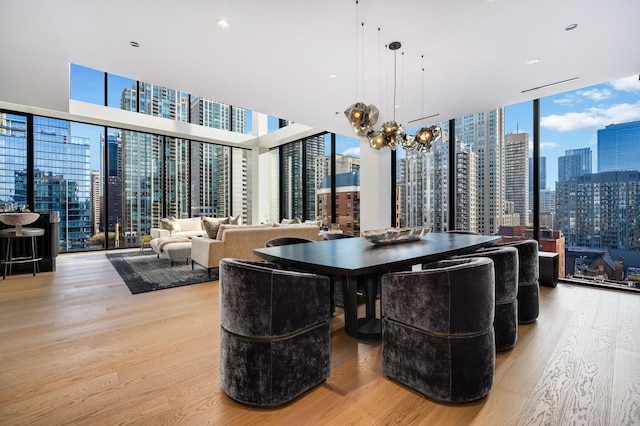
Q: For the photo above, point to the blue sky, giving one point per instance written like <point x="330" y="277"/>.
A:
<point x="571" y="120"/>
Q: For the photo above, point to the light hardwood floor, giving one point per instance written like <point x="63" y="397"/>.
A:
<point x="78" y="348"/>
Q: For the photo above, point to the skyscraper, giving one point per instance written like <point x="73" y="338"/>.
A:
<point x="543" y="176"/>
<point x="619" y="147"/>
<point x="484" y="133"/>
<point x="293" y="159"/>
<point x="600" y="210"/>
<point x="211" y="164"/>
<point x="517" y="174"/>
<point x="574" y="163"/>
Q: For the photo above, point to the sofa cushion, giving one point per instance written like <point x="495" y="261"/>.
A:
<point x="190" y="224"/>
<point x="226" y="226"/>
<point x="211" y="225"/>
<point x="170" y="224"/>
<point x="295" y="220"/>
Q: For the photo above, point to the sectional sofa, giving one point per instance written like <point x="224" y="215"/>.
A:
<point x="238" y="241"/>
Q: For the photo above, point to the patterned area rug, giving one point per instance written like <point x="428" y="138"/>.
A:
<point x="142" y="271"/>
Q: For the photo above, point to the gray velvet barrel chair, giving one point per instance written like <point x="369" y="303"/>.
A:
<point x="505" y="264"/>
<point x="528" y="274"/>
<point x="274" y="332"/>
<point x="285" y="241"/>
<point x="437" y="329"/>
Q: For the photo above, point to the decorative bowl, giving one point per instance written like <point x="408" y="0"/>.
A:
<point x="395" y="235"/>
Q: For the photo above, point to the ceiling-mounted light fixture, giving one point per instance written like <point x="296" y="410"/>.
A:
<point x="223" y="23"/>
<point x="362" y="118"/>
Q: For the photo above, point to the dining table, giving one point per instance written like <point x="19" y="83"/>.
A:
<point x="362" y="263"/>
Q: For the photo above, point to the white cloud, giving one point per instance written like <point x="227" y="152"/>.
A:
<point x="595" y="94"/>
<point x="549" y="145"/>
<point x="629" y="84"/>
<point x="592" y="117"/>
<point x="567" y="100"/>
<point x="544" y="145"/>
<point x="354" y="151"/>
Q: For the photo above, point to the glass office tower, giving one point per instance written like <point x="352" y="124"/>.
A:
<point x="619" y="147"/>
<point x="574" y="163"/>
<point x="600" y="210"/>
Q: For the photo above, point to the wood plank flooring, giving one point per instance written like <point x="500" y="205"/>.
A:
<point x="77" y="348"/>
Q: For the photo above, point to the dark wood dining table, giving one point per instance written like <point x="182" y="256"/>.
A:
<point x="362" y="263"/>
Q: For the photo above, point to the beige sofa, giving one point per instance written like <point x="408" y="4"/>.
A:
<point x="238" y="241"/>
<point x="189" y="227"/>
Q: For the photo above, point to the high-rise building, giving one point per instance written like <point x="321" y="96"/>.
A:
<point x="574" y="163"/>
<point x="619" y="147"/>
<point x="484" y="133"/>
<point x="413" y="192"/>
<point x="600" y="210"/>
<point x="114" y="180"/>
<point x="543" y="175"/>
<point x="344" y="164"/>
<point x="466" y="189"/>
<point x="517" y="174"/>
<point x="439" y="157"/>
<point x="293" y="159"/>
<point x="62" y="181"/>
<point x="212" y="165"/>
<point x="96" y="202"/>
<point x="347" y="201"/>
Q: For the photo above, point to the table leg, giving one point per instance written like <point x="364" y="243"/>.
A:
<point x="368" y="327"/>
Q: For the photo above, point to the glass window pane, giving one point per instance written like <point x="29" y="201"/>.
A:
<point x="115" y="204"/>
<point x="591" y="139"/>
<point x="121" y="92"/>
<point x="87" y="85"/>
<point x="291" y="180"/>
<point x="13" y="159"/>
<point x="241" y="189"/>
<point x="177" y="179"/>
<point x="142" y="190"/>
<point x="209" y="179"/>
<point x="65" y="154"/>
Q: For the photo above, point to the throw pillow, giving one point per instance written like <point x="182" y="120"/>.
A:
<point x="235" y="220"/>
<point x="170" y="224"/>
<point x="212" y="225"/>
<point x="286" y="221"/>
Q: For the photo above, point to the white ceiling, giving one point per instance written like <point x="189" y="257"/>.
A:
<point x="277" y="55"/>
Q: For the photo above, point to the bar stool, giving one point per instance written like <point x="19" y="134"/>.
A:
<point x="12" y="253"/>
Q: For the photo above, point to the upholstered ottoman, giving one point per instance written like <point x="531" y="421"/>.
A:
<point x="172" y="250"/>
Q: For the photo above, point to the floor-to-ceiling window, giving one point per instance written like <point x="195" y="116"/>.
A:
<point x="318" y="178"/>
<point x="590" y="139"/>
<point x="13" y="159"/>
<point x="588" y="178"/>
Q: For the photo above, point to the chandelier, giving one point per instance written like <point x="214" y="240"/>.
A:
<point x="364" y="117"/>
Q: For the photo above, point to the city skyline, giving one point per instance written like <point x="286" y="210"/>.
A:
<point x="568" y="120"/>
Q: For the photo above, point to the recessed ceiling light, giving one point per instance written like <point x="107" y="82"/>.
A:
<point x="333" y="75"/>
<point x="571" y="27"/>
<point x="134" y="44"/>
<point x="222" y="23"/>
<point x="533" y="61"/>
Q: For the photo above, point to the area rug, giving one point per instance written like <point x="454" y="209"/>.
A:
<point x="142" y="271"/>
